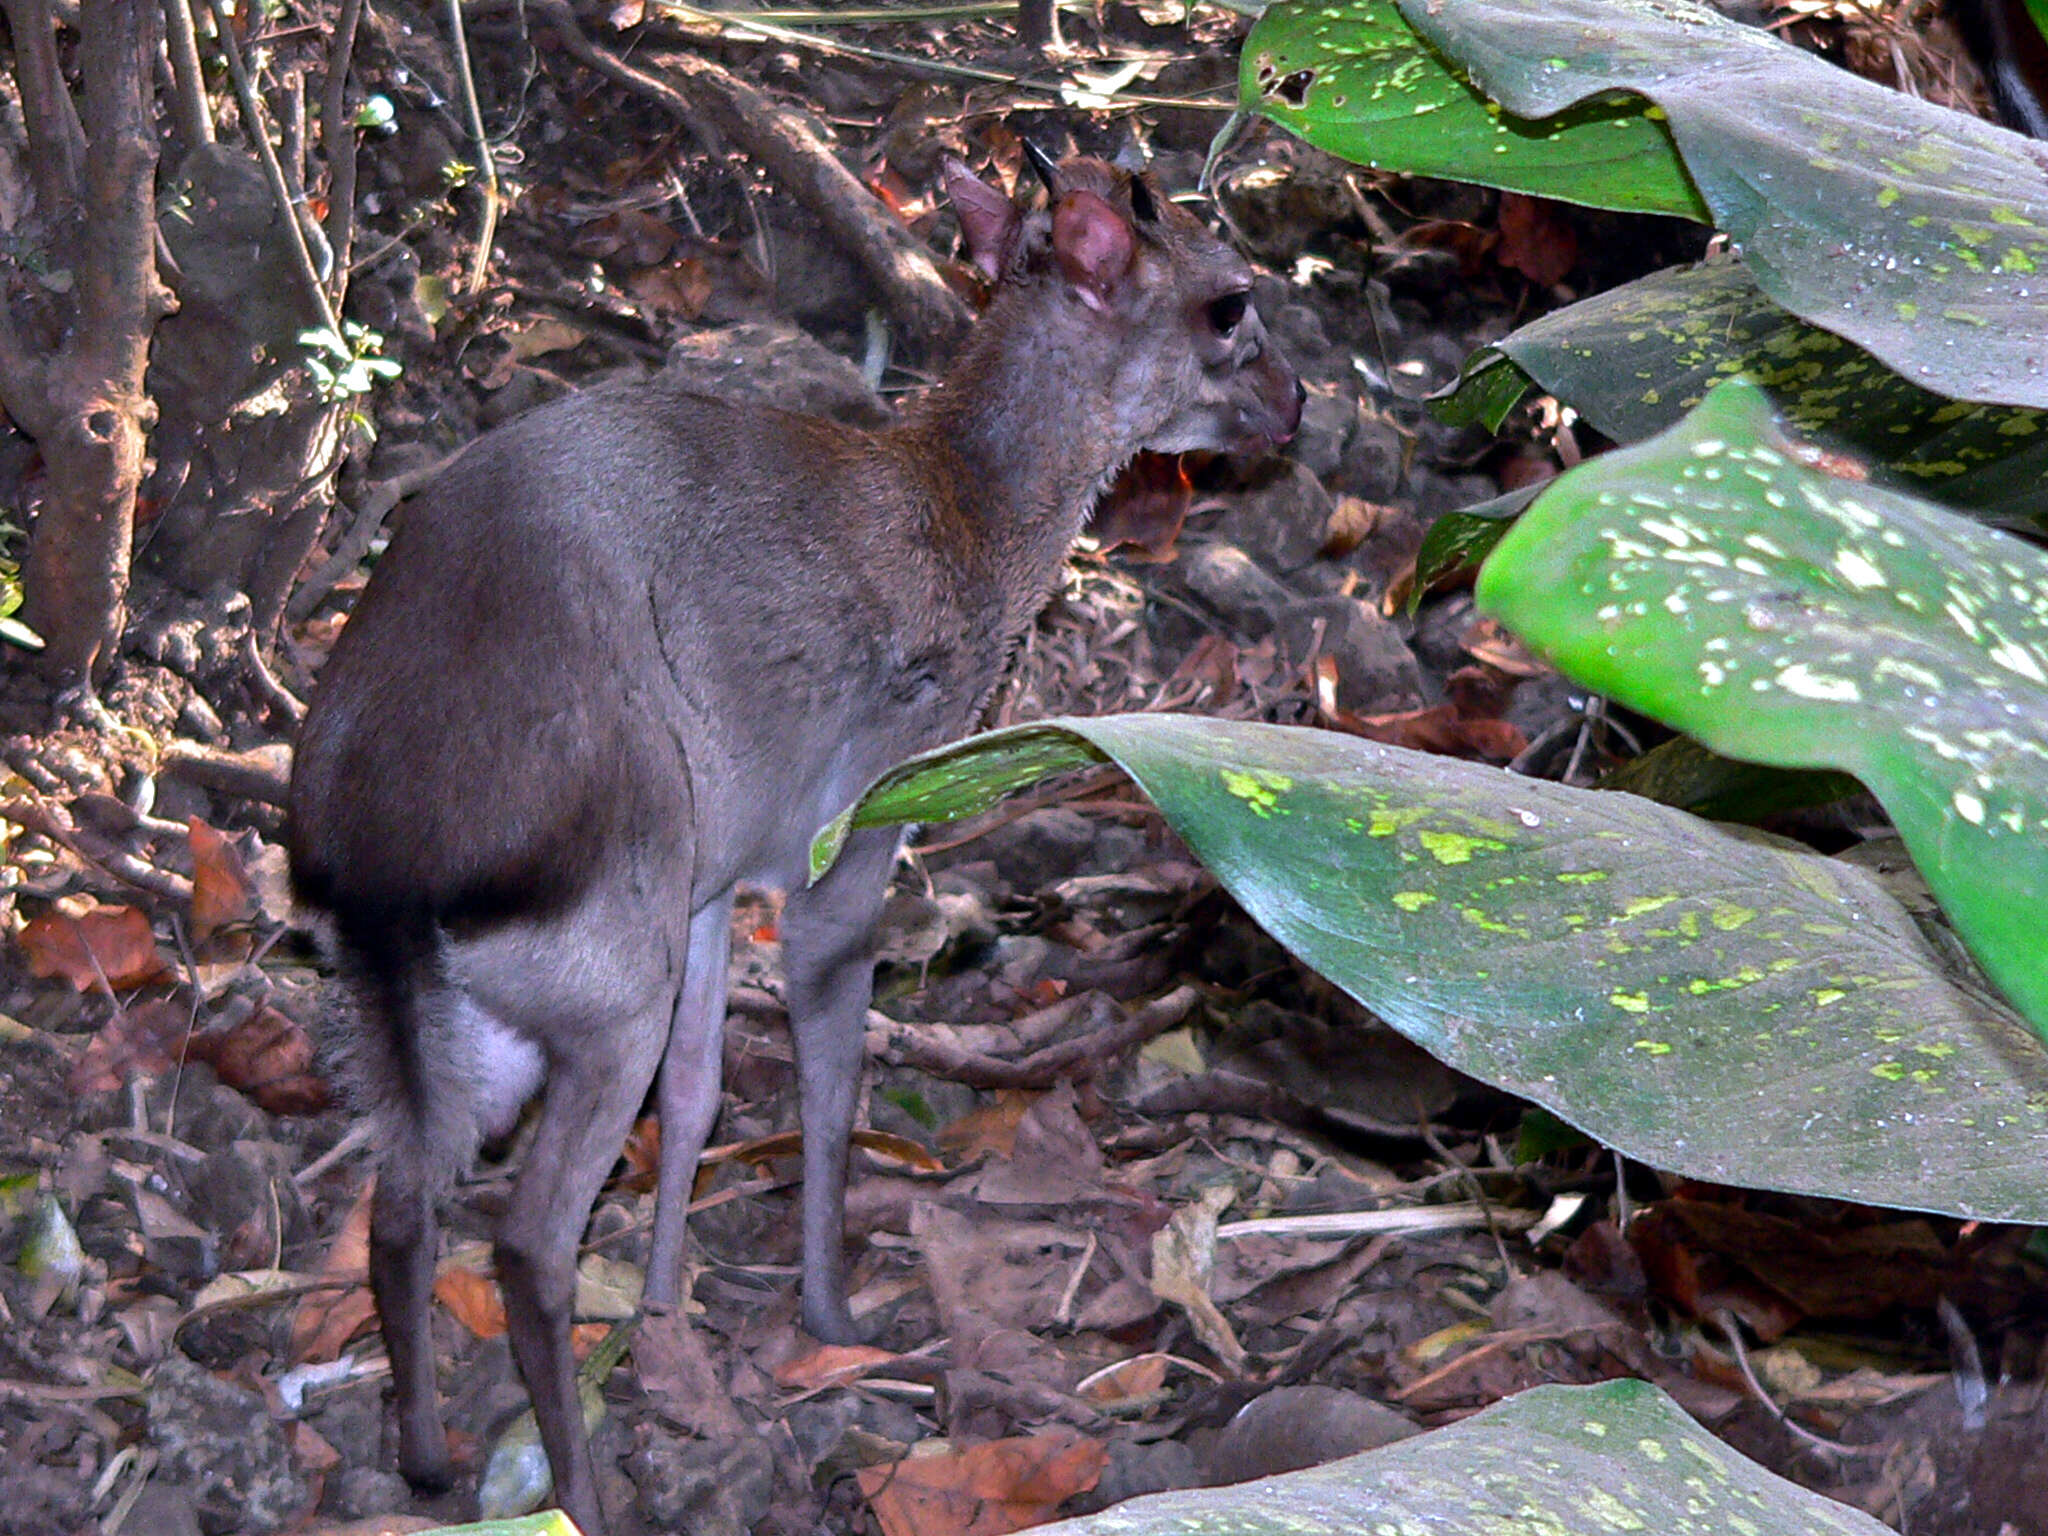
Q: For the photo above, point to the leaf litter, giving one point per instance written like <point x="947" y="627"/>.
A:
<point x="1095" y="1084"/>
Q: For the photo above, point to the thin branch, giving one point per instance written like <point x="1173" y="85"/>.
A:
<point x="56" y="137"/>
<point x="338" y="137"/>
<point x="189" y="109"/>
<point x="273" y="171"/>
<point x="376" y="505"/>
<point x="473" y="117"/>
<point x="782" y="141"/>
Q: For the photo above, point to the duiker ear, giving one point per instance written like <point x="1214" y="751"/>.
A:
<point x="1094" y="244"/>
<point x="988" y="219"/>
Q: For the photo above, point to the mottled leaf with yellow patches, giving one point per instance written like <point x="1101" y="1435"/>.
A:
<point x="1723" y="1005"/>
<point x="1741" y="588"/>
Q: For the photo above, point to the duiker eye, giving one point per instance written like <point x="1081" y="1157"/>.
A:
<point x="1226" y="313"/>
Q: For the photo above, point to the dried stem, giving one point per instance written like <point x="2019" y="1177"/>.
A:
<point x="273" y="170"/>
<point x="56" y="137"/>
<point x="487" y="165"/>
<point x="338" y="137"/>
<point x="189" y="109"/>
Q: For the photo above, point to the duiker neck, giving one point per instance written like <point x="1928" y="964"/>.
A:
<point x="1026" y="439"/>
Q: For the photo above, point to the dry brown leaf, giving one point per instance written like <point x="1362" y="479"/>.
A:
<point x="986" y="1490"/>
<point x="221" y="891"/>
<point x="900" y="1150"/>
<point x="143" y="1041"/>
<point x="1145" y="507"/>
<point x="1139" y="1376"/>
<point x="270" y="1057"/>
<point x="1535" y="240"/>
<point x="681" y="288"/>
<point x="311" y="1449"/>
<point x="1351" y="522"/>
<point x="473" y="1298"/>
<point x="329" y="1319"/>
<point x="830" y="1365"/>
<point x="989" y="1130"/>
<point x="114" y="942"/>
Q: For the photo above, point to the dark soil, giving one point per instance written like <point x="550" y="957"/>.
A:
<point x="207" y="1360"/>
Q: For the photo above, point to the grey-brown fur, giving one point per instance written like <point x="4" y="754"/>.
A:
<point x="635" y="648"/>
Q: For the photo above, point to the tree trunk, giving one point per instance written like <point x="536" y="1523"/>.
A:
<point x="93" y="426"/>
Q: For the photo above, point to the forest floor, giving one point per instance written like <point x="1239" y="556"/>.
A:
<point x="1084" y="1058"/>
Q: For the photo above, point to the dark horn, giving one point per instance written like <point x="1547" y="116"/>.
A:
<point x="1047" y="169"/>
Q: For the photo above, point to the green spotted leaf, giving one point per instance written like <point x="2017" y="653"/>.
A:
<point x="1716" y="579"/>
<point x="1727" y="1006"/>
<point x="1918" y="233"/>
<point x="1355" y="79"/>
<point x="1635" y="359"/>
<point x="1560" y="1461"/>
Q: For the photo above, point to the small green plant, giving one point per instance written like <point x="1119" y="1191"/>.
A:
<point x="349" y="365"/>
<point x="12" y="630"/>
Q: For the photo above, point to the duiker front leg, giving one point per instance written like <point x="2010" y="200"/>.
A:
<point x="828" y="966"/>
<point x="692" y="1071"/>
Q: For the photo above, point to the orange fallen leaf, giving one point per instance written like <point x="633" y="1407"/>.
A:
<point x="992" y="1128"/>
<point x="985" y="1490"/>
<point x="1145" y="507"/>
<point x="830" y="1365"/>
<point x="311" y="1449"/>
<point x="900" y="1150"/>
<point x="1535" y="240"/>
<point x="474" y="1299"/>
<point x="114" y="942"/>
<point x="221" y="892"/>
<point x="142" y="1041"/>
<point x="327" y="1320"/>
<point x="270" y="1057"/>
<point x="1139" y="1376"/>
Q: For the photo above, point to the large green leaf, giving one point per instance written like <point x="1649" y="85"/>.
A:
<point x="1552" y="1461"/>
<point x="1741" y="1010"/>
<point x="1355" y="79"/>
<point x="1714" y="579"/>
<point x="1635" y="359"/>
<point x="1915" y="231"/>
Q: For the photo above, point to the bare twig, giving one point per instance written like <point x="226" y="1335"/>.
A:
<point x="362" y="533"/>
<point x="917" y="1046"/>
<point x="50" y="821"/>
<point x="1732" y="1331"/>
<point x="189" y="109"/>
<point x="267" y="688"/>
<point x="55" y="135"/>
<point x="273" y="169"/>
<point x="258" y="774"/>
<point x="338" y="136"/>
<point x="77" y="568"/>
<point x="487" y="165"/>
<point x="924" y="308"/>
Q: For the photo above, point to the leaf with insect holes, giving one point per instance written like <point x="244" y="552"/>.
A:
<point x="1778" y="613"/>
<point x="1724" y="1005"/>
<point x="1562" y="1461"/>
<point x="1917" y="232"/>
<point x="1635" y="359"/>
<point x="1355" y="78"/>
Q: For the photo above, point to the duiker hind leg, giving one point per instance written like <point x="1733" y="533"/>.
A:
<point x="404" y="1239"/>
<point x="597" y="990"/>
<point x="828" y="967"/>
